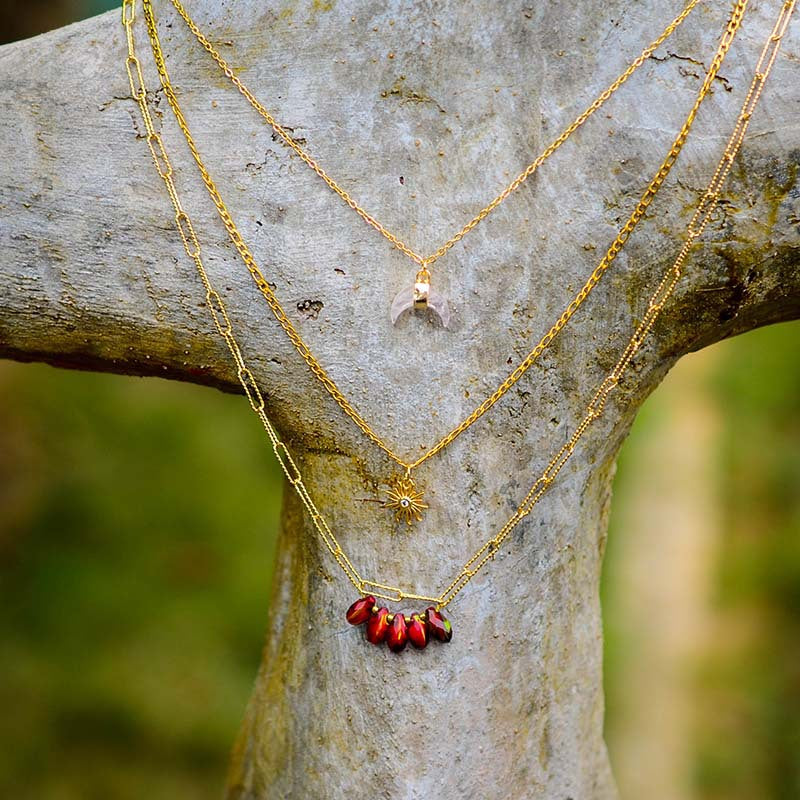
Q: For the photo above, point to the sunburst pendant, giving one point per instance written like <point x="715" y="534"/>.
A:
<point x="404" y="499"/>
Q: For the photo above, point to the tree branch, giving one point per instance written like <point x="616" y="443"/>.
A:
<point x="423" y="121"/>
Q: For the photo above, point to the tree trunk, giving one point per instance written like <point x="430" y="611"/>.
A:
<point x="423" y="112"/>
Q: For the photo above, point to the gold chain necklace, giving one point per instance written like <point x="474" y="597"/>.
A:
<point x="403" y="496"/>
<point x="398" y="627"/>
<point x="420" y="295"/>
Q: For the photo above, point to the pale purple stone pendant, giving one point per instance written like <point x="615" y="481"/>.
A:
<point x="421" y="296"/>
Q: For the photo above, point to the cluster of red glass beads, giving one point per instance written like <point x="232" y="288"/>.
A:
<point x="397" y="630"/>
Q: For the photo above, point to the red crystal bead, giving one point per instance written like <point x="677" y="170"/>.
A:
<point x="439" y="626"/>
<point x="378" y="626"/>
<point x="361" y="610"/>
<point x="417" y="632"/>
<point x="398" y="634"/>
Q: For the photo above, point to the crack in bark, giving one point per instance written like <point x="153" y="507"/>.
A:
<point x="687" y="73"/>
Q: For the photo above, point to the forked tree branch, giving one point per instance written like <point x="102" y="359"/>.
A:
<point x="423" y="112"/>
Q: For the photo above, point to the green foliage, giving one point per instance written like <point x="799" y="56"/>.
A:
<point x="135" y="561"/>
<point x="749" y="739"/>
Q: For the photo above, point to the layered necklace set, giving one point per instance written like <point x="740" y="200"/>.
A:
<point x="404" y="498"/>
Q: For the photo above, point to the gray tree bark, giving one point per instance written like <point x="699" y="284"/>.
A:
<point x="423" y="112"/>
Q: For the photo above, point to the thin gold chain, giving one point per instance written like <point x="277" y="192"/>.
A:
<point x="594" y="278"/>
<point x="596" y="406"/>
<point x="426" y="261"/>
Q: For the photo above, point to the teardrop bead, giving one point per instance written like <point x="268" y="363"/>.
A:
<point x="417" y="632"/>
<point x="439" y="626"/>
<point x="361" y="610"/>
<point x="378" y="626"/>
<point x="398" y="634"/>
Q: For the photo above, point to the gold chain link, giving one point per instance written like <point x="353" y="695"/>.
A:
<point x="427" y="261"/>
<point x="595" y="408"/>
<point x="272" y="301"/>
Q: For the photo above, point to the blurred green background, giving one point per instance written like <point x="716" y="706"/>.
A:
<point x="134" y="582"/>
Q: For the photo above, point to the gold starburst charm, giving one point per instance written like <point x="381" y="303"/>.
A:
<point x="404" y="499"/>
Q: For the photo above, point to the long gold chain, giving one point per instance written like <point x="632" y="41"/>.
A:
<point x="594" y="278"/>
<point x="596" y="406"/>
<point x="426" y="261"/>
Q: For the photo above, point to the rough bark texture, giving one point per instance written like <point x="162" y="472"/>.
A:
<point x="424" y="112"/>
